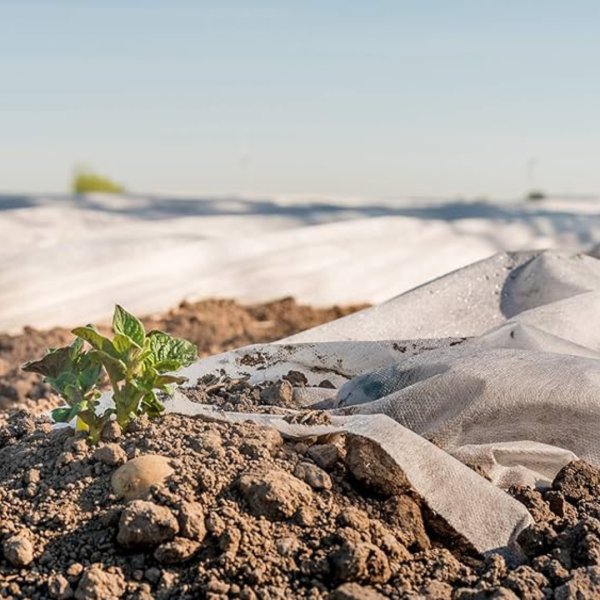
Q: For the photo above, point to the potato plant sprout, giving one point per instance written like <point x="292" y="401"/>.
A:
<point x="138" y="365"/>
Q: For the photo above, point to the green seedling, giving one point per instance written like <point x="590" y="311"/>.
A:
<point x="138" y="365"/>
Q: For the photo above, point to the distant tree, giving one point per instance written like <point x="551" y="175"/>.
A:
<point x="86" y="181"/>
<point x="536" y="195"/>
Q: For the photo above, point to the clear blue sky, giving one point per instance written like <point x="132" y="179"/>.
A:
<point x="427" y="97"/>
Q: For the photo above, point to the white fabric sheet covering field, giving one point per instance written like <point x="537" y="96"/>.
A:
<point x="497" y="364"/>
<point x="68" y="260"/>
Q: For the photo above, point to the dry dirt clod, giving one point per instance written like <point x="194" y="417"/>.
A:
<point x="533" y="502"/>
<point x="97" y="584"/>
<point x="59" y="588"/>
<point x="287" y="546"/>
<point x="405" y="514"/>
<point x="274" y="494"/>
<point x="578" y="481"/>
<point x="135" y="478"/>
<point x="176" y="552"/>
<point x="360" y="562"/>
<point x="585" y="583"/>
<point x="18" y="551"/>
<point x="355" y="591"/>
<point x="373" y="467"/>
<point x="111" y="432"/>
<point x="354" y="518"/>
<point x="111" y="455"/>
<point x="324" y="455"/>
<point x="145" y="524"/>
<point x="296" y="378"/>
<point x="278" y="394"/>
<point x="313" y="475"/>
<point x="192" y="521"/>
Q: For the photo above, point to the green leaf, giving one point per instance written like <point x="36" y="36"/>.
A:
<point x="89" y="374"/>
<point x="167" y="348"/>
<point x="76" y="348"/>
<point x="123" y="344"/>
<point x="73" y="393"/>
<point x="167" y="366"/>
<point x="168" y="379"/>
<point x="94" y="338"/>
<point x="64" y="380"/>
<point x="151" y="405"/>
<point x="61" y="415"/>
<point x="115" y="367"/>
<point x="67" y="414"/>
<point x="52" y="364"/>
<point x="126" y="324"/>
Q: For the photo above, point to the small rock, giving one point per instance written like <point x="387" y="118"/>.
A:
<point x="191" y="521"/>
<point x="274" y="494"/>
<point x="313" y="475"/>
<point x="177" y="551"/>
<point x="355" y="591"/>
<point x="146" y="524"/>
<point x="59" y="588"/>
<point x="18" y="551"/>
<point x="278" y="394"/>
<point x="111" y="455"/>
<point x="97" y="584"/>
<point x="135" y="478"/>
<point x="325" y="455"/>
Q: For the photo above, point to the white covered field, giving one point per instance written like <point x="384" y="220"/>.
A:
<point x="67" y="261"/>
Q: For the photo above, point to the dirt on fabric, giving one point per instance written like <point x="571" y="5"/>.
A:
<point x="213" y="325"/>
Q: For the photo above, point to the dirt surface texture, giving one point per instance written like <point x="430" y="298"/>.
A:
<point x="185" y="507"/>
<point x="192" y="507"/>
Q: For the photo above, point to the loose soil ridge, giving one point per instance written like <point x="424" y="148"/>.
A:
<point x="243" y="513"/>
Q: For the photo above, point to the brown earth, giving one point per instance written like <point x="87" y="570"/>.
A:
<point x="234" y="511"/>
<point x="214" y="325"/>
<point x="186" y="507"/>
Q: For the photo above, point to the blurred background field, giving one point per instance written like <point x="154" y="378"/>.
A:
<point x="67" y="259"/>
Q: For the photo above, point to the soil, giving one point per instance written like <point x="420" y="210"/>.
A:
<point x="187" y="507"/>
<point x="214" y="325"/>
<point x="219" y="510"/>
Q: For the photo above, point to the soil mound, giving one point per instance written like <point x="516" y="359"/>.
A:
<point x="240" y="512"/>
